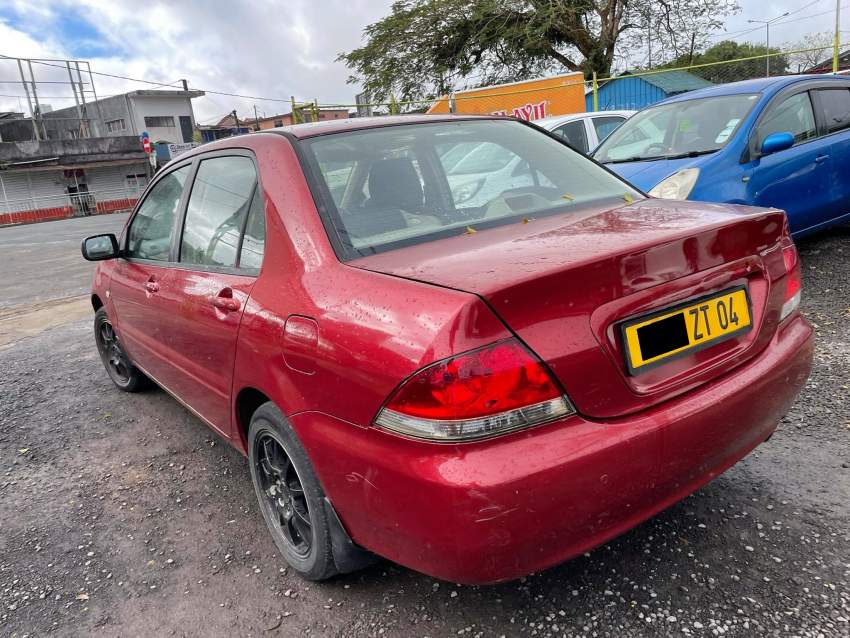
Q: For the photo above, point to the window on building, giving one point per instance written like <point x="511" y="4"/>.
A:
<point x="215" y="216"/>
<point x="159" y="121"/>
<point x="135" y="183"/>
<point x="278" y="122"/>
<point x="115" y="125"/>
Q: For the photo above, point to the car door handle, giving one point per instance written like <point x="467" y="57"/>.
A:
<point x="820" y="159"/>
<point x="151" y="286"/>
<point x="224" y="301"/>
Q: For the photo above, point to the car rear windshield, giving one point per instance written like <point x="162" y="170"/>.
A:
<point x="395" y="186"/>
<point x="679" y="129"/>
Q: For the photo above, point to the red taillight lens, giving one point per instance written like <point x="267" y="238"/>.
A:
<point x="478" y="393"/>
<point x="793" y="280"/>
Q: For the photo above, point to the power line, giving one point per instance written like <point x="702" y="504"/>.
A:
<point x="812" y="15"/>
<point x="129" y="79"/>
<point x="790" y="13"/>
<point x="736" y="34"/>
<point x="109" y="75"/>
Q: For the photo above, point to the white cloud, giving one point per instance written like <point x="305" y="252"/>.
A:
<point x="270" y="49"/>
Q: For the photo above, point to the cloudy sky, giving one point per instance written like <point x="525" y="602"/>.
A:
<point x="267" y="49"/>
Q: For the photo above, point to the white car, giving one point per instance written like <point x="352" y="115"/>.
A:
<point x="478" y="172"/>
<point x="585" y="131"/>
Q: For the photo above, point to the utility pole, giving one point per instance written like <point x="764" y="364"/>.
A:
<point x="837" y="36"/>
<point x="235" y="122"/>
<point x="185" y="85"/>
<point x="256" y="117"/>
<point x="767" y="24"/>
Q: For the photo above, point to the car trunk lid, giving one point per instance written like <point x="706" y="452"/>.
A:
<point x="565" y="284"/>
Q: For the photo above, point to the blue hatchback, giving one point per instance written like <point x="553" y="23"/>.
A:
<point x="781" y="142"/>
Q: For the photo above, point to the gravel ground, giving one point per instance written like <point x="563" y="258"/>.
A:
<point x="122" y="515"/>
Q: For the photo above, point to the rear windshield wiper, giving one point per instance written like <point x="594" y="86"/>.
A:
<point x="649" y="158"/>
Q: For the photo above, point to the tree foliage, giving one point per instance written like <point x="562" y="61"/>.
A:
<point x="810" y="51"/>
<point x="430" y="47"/>
<point x="729" y="51"/>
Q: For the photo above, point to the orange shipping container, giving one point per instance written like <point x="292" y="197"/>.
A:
<point x="528" y="100"/>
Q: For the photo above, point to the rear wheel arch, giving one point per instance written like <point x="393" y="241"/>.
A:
<point x="248" y="400"/>
<point x="96" y="302"/>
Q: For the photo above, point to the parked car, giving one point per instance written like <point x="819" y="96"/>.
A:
<point x="479" y="171"/>
<point x="782" y="142"/>
<point x="475" y="392"/>
<point x="585" y="131"/>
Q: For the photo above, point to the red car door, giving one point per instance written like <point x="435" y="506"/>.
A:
<point x="141" y="275"/>
<point x="219" y="258"/>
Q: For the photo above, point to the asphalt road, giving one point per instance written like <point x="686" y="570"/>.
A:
<point x="122" y="515"/>
<point x="42" y="261"/>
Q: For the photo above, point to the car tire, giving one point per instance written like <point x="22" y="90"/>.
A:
<point x="289" y="495"/>
<point x="118" y="365"/>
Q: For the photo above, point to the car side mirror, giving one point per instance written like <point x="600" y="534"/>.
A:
<point x="776" y="142"/>
<point x="99" y="247"/>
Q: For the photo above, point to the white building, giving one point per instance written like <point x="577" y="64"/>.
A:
<point x="166" y="116"/>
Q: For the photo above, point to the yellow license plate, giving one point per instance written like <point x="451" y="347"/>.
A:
<point x="654" y="339"/>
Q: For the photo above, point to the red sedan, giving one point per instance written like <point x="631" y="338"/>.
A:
<point x="453" y="342"/>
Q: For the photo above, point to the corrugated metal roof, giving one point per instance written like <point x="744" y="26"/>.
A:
<point x="673" y="82"/>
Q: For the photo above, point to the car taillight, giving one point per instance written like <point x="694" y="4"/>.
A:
<point x="793" y="281"/>
<point x="495" y="389"/>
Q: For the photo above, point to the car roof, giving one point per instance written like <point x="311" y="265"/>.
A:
<point x="558" y="119"/>
<point x="758" y="85"/>
<point x="313" y="129"/>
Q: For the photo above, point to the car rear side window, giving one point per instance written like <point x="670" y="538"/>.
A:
<point x="836" y="109"/>
<point x="575" y="134"/>
<point x="792" y="115"/>
<point x="150" y="232"/>
<point x="254" y="240"/>
<point x="215" y="215"/>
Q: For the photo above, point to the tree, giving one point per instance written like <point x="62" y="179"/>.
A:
<point x="430" y="47"/>
<point x="729" y="51"/>
<point x="810" y="51"/>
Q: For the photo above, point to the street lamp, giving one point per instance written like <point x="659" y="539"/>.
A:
<point x="767" y="24"/>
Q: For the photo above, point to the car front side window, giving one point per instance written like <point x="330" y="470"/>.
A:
<point x="150" y="232"/>
<point x="216" y="212"/>
<point x="792" y="115"/>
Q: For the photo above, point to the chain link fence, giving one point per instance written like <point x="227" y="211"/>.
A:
<point x="628" y="90"/>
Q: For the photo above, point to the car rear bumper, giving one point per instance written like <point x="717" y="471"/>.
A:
<point x="496" y="510"/>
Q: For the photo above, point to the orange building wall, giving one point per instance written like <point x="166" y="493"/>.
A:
<point x="529" y="100"/>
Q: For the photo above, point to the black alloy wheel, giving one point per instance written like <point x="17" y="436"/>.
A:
<point x="119" y="367"/>
<point x="110" y="352"/>
<point x="285" y="501"/>
<point x="291" y="500"/>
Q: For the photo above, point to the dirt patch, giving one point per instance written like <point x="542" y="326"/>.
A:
<point x="29" y="320"/>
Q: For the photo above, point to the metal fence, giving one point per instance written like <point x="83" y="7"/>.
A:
<point x="634" y="90"/>
<point x="630" y="89"/>
<point x="72" y="204"/>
